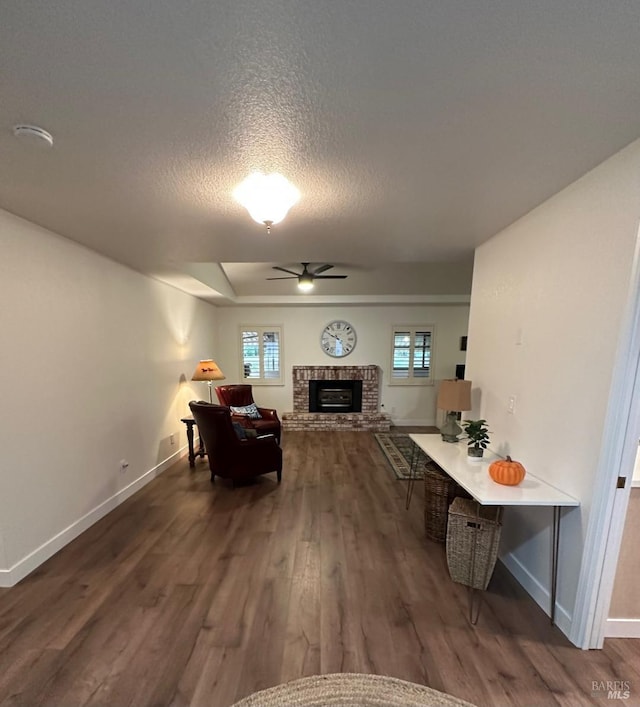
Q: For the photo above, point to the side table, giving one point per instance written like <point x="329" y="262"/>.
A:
<point x="190" y="422"/>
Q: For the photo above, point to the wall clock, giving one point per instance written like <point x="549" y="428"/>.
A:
<point x="338" y="338"/>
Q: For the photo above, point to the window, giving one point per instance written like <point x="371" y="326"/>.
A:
<point x="411" y="357"/>
<point x="261" y="355"/>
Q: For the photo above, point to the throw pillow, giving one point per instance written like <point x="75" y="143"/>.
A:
<point x="251" y="411"/>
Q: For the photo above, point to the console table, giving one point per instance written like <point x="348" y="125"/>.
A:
<point x="190" y="422"/>
<point x="474" y="477"/>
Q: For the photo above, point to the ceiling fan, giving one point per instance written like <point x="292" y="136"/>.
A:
<point x="306" y="277"/>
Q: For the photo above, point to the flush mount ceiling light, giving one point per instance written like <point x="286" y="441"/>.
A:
<point x="33" y="135"/>
<point x="267" y="197"/>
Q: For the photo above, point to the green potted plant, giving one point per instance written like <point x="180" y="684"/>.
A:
<point x="477" y="437"/>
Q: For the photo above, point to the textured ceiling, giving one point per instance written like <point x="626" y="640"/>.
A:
<point x="414" y="129"/>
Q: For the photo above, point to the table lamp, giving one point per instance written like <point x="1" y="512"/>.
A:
<point x="454" y="396"/>
<point x="208" y="370"/>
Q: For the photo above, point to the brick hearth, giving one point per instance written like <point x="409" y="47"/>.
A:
<point x="370" y="419"/>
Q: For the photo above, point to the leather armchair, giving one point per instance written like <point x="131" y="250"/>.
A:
<point x="229" y="456"/>
<point x="241" y="395"/>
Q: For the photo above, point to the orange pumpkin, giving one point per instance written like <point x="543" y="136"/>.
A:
<point x="507" y="472"/>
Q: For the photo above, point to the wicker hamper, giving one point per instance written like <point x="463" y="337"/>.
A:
<point x="439" y="491"/>
<point x="472" y="528"/>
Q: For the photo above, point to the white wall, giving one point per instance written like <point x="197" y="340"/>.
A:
<point x="302" y="327"/>
<point x="546" y="308"/>
<point x="96" y="367"/>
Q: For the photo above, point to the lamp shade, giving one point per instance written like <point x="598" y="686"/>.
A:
<point x="207" y="370"/>
<point x="454" y="395"/>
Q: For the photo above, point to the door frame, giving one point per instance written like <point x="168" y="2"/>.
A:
<point x="617" y="458"/>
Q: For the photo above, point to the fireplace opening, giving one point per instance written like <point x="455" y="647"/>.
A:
<point x="335" y="396"/>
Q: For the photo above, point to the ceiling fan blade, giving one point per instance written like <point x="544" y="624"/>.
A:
<point x="291" y="272"/>
<point x="282" y="278"/>
<point x="329" y="277"/>
<point x="322" y="268"/>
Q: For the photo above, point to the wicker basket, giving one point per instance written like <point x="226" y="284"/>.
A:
<point x="473" y="536"/>
<point x="439" y="492"/>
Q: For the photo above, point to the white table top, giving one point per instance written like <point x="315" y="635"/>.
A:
<point x="474" y="477"/>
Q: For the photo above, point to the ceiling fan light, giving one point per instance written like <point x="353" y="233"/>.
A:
<point x="305" y="283"/>
<point x="267" y="197"/>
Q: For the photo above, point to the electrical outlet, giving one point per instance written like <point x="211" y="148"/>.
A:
<point x="124" y="465"/>
<point x="172" y="439"/>
<point x="511" y="405"/>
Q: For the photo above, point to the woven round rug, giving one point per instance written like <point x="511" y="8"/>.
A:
<point x="350" y="690"/>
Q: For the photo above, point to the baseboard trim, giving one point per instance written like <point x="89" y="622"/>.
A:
<point x="540" y="594"/>
<point x="622" y="628"/>
<point x="413" y="423"/>
<point x="10" y="577"/>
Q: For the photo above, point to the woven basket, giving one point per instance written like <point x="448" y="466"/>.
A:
<point x="439" y="492"/>
<point x="473" y="536"/>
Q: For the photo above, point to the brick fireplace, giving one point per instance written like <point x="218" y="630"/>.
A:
<point x="370" y="419"/>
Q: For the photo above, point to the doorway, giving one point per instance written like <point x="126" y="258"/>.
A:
<point x="611" y="496"/>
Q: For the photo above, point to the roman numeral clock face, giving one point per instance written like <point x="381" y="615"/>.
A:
<point x="338" y="338"/>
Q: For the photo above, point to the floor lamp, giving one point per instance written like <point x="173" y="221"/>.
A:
<point x="208" y="370"/>
<point x="454" y="396"/>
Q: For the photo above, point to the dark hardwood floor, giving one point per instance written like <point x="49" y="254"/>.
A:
<point x="198" y="594"/>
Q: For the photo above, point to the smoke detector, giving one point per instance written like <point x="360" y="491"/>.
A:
<point x="33" y="135"/>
